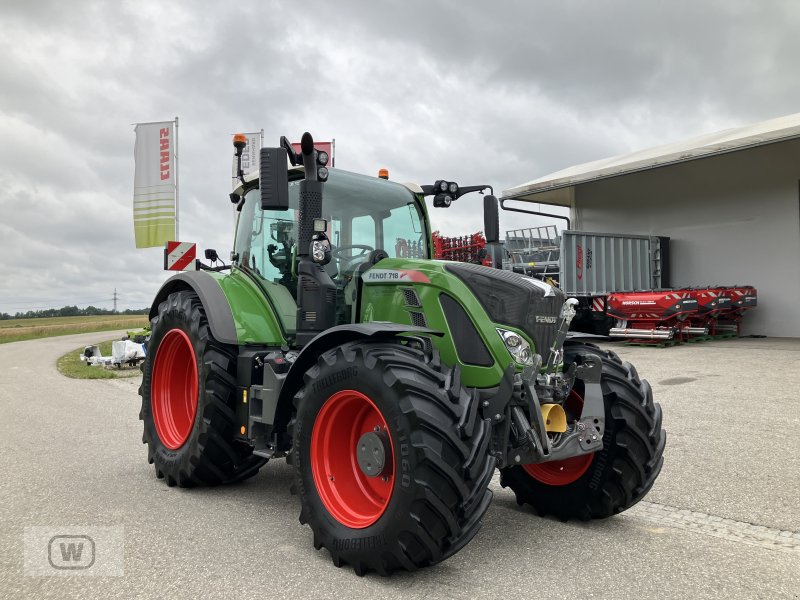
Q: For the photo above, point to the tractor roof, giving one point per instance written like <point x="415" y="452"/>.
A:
<point x="254" y="175"/>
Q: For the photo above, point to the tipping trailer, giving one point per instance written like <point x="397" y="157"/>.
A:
<point x="590" y="267"/>
<point x="394" y="384"/>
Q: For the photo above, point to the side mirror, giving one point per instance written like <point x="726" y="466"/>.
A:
<point x="274" y="179"/>
<point x="491" y="219"/>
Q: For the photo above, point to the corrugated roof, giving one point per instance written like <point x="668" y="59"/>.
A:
<point x="738" y="138"/>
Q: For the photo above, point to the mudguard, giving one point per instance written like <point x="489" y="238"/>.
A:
<point x="336" y="336"/>
<point x="218" y="310"/>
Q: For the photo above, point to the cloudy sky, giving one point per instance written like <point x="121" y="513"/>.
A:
<point x="495" y="92"/>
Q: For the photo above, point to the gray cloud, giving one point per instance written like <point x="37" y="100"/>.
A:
<point x="496" y="93"/>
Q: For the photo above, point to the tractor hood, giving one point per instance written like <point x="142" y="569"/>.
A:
<point x="468" y="303"/>
<point x="512" y="299"/>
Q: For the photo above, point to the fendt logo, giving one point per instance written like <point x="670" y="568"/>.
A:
<point x="71" y="552"/>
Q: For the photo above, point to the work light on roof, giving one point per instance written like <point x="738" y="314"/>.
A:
<point x="442" y="200"/>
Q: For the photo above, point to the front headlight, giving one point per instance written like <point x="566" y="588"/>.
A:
<point x="519" y="349"/>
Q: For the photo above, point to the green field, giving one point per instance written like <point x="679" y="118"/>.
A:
<point x="71" y="365"/>
<point x="15" y="330"/>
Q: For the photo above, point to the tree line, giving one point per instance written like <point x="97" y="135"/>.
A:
<point x="71" y="311"/>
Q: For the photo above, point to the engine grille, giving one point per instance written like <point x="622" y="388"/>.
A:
<point x="410" y="297"/>
<point x="418" y="319"/>
<point x="512" y="299"/>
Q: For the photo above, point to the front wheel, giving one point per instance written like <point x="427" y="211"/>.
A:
<point x="188" y="397"/>
<point x="617" y="476"/>
<point x="390" y="459"/>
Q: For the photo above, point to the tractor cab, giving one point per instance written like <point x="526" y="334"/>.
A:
<point x="366" y="220"/>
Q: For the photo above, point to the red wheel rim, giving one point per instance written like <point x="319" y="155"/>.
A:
<point x="351" y="497"/>
<point x="569" y="470"/>
<point x="173" y="389"/>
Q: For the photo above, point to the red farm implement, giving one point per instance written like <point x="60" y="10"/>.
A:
<point x="654" y="316"/>
<point x="679" y="315"/>
<point x="742" y="299"/>
<point x="464" y="248"/>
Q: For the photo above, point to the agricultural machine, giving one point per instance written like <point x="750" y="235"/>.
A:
<point x="393" y="385"/>
<point x="621" y="283"/>
<point x="462" y="248"/>
<point x="675" y="315"/>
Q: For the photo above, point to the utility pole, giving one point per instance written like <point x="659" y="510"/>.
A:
<point x="115" y="299"/>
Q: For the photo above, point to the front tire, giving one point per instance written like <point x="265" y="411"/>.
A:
<point x="426" y="499"/>
<point x="188" y="396"/>
<point x="620" y="474"/>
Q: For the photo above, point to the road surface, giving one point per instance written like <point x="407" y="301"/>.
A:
<point x="723" y="520"/>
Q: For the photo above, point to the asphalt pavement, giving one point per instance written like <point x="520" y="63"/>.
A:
<point x="722" y="521"/>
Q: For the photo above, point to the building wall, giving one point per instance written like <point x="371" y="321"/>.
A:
<point x="733" y="218"/>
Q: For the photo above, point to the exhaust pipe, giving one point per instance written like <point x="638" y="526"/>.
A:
<point x="649" y="334"/>
<point x="728" y="327"/>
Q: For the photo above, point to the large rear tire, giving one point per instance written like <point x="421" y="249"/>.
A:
<point x="188" y="396"/>
<point x="426" y="498"/>
<point x="620" y="474"/>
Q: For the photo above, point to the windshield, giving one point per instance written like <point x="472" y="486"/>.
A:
<point x="363" y="214"/>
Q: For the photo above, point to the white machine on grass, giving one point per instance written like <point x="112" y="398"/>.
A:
<point x="124" y="353"/>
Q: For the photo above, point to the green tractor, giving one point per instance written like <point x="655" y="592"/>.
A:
<point x="392" y="383"/>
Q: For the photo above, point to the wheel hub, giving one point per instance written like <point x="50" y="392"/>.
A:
<point x="372" y="449"/>
<point x="352" y="459"/>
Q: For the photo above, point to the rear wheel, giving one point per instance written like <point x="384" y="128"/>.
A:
<point x="618" y="476"/>
<point x="390" y="458"/>
<point x="188" y="396"/>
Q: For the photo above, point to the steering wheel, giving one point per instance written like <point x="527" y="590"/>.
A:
<point x="338" y="253"/>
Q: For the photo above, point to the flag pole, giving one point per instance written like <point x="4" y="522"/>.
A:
<point x="177" y="211"/>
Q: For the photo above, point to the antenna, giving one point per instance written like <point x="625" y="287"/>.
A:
<point x="115" y="299"/>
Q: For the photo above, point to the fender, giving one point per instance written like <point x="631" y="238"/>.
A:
<point x="218" y="310"/>
<point x="333" y="337"/>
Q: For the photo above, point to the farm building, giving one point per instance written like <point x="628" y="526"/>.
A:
<point x="729" y="201"/>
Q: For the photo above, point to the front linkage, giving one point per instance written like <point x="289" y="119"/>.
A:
<point x="529" y="422"/>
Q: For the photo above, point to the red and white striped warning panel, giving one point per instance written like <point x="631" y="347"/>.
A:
<point x="179" y="256"/>
<point x="598" y="305"/>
